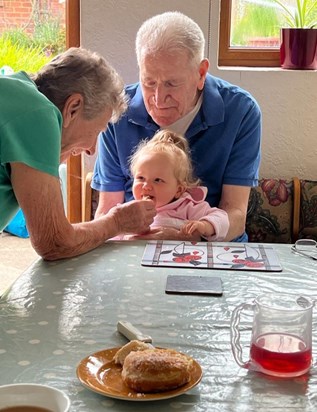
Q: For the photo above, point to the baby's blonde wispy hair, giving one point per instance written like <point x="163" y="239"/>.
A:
<point x="173" y="145"/>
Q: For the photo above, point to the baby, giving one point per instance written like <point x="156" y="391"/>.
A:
<point x="163" y="172"/>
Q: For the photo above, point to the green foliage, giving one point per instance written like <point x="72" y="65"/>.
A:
<point x="255" y="20"/>
<point x="20" y="56"/>
<point x="49" y="36"/>
<point x="303" y="16"/>
<point x="17" y="36"/>
<point x="22" y="51"/>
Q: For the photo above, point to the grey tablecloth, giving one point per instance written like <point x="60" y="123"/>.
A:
<point x="57" y="313"/>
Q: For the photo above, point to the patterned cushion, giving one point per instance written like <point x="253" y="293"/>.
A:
<point x="270" y="212"/>
<point x="308" y="208"/>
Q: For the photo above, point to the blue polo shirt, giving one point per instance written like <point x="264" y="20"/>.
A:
<point x="224" y="139"/>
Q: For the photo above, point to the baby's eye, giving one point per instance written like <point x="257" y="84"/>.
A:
<point x="158" y="180"/>
<point x="139" y="178"/>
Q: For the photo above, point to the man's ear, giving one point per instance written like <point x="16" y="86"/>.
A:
<point x="203" y="70"/>
<point x="72" y="108"/>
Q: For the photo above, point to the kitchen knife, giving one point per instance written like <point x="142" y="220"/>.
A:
<point x="131" y="332"/>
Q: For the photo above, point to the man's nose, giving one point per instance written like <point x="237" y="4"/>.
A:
<point x="160" y="95"/>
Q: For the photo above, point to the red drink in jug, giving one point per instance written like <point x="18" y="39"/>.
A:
<point x="281" y="354"/>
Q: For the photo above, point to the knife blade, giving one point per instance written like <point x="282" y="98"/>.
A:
<point x="131" y="332"/>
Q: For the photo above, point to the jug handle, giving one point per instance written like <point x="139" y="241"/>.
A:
<point x="235" y="334"/>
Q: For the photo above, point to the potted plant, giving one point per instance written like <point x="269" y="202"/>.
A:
<point x="298" y="48"/>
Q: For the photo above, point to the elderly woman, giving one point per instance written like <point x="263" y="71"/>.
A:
<point x="44" y="119"/>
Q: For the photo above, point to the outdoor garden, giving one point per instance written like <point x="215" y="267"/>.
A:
<point x="29" y="44"/>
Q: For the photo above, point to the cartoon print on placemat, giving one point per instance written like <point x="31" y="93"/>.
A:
<point x="209" y="255"/>
<point x="238" y="257"/>
<point x="185" y="253"/>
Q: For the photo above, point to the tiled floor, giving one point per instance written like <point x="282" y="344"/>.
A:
<point x="16" y="255"/>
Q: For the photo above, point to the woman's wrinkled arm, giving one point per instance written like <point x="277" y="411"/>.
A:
<point x="51" y="234"/>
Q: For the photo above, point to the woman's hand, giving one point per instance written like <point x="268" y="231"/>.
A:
<point x="133" y="217"/>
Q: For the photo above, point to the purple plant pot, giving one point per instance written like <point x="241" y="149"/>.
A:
<point x="298" y="49"/>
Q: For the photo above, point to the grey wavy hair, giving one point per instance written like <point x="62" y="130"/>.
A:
<point x="173" y="145"/>
<point x="79" y="70"/>
<point x="171" y="32"/>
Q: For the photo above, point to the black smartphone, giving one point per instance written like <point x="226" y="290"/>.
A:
<point x="193" y="285"/>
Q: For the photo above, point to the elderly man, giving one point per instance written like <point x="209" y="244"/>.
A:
<point x="221" y="121"/>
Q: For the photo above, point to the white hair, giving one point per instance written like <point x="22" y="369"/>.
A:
<point x="170" y="32"/>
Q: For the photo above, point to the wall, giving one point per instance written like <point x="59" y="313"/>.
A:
<point x="288" y="99"/>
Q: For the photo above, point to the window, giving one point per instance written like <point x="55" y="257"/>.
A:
<point x="249" y="32"/>
<point x="74" y="185"/>
<point x="31" y="33"/>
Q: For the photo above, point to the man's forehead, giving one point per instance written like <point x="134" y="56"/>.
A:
<point x="171" y="58"/>
<point x="164" y="72"/>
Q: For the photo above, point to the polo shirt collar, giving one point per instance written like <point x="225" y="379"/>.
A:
<point x="213" y="107"/>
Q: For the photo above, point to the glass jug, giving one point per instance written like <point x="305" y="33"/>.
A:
<point x="281" y="341"/>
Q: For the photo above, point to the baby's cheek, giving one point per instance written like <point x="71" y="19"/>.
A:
<point x="135" y="191"/>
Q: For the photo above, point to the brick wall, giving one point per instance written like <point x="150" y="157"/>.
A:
<point x="19" y="13"/>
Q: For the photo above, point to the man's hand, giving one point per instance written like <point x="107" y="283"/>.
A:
<point x="167" y="233"/>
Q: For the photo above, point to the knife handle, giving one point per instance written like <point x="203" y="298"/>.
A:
<point x="131" y="332"/>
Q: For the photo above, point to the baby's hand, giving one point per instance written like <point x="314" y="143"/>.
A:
<point x="191" y="226"/>
<point x="203" y="227"/>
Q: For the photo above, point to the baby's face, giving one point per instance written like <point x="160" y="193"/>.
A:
<point x="155" y="179"/>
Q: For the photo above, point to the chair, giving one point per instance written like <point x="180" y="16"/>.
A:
<point x="274" y="211"/>
<point x="308" y="209"/>
<point x="90" y="200"/>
